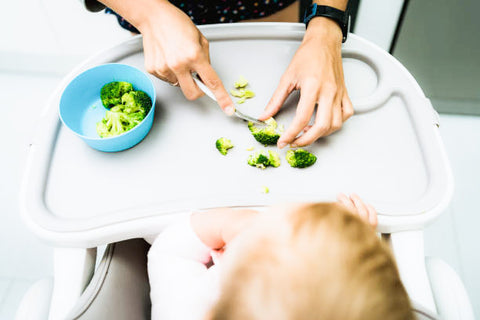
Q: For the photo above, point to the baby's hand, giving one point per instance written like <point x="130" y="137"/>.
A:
<point x="353" y="203"/>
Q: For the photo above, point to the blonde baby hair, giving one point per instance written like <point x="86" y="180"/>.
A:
<point x="318" y="261"/>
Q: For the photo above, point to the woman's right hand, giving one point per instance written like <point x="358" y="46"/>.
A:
<point x="174" y="48"/>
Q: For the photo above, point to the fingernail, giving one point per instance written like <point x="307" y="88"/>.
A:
<point x="293" y="145"/>
<point x="281" y="144"/>
<point x="230" y="110"/>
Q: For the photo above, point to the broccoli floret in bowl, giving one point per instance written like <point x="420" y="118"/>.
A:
<point x="267" y="135"/>
<point x="111" y="93"/>
<point x="300" y="158"/>
<point x="133" y="108"/>
<point x="223" y="144"/>
<point x="116" y="131"/>
<point x="136" y="101"/>
<point x="117" y="121"/>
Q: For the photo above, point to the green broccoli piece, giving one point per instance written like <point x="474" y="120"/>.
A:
<point x="248" y="94"/>
<point x="241" y="91"/>
<point x="238" y="93"/>
<point x="102" y="129"/>
<point x="111" y="93"/>
<point x="128" y="108"/>
<point x="268" y="134"/>
<point x="273" y="158"/>
<point x="136" y="101"/>
<point x="300" y="158"/>
<point x="117" y="122"/>
<point x="241" y="100"/>
<point x="241" y="82"/>
<point x="261" y="159"/>
<point x="223" y="144"/>
<point x="117" y="108"/>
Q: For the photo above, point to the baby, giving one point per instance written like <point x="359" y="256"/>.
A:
<point x="303" y="261"/>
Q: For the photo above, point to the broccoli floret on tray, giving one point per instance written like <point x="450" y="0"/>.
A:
<point x="111" y="93"/>
<point x="261" y="159"/>
<point x="241" y="82"/>
<point x="223" y="144"/>
<point x="241" y="90"/>
<point x="268" y="135"/>
<point x="300" y="158"/>
<point x="274" y="158"/>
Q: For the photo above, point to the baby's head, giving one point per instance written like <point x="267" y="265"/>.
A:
<point x="313" y="261"/>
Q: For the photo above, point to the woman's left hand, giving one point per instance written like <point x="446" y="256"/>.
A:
<point x="317" y="71"/>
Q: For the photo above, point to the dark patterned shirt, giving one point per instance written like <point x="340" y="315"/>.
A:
<point x="220" y="11"/>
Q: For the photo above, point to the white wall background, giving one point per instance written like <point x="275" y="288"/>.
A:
<point x="52" y="36"/>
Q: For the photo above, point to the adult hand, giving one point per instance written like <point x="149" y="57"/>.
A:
<point x="173" y="47"/>
<point x="316" y="70"/>
<point x="356" y="205"/>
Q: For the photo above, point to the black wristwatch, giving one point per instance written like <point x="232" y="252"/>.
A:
<point x="335" y="14"/>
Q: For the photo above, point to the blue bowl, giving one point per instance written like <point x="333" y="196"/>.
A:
<point x="81" y="107"/>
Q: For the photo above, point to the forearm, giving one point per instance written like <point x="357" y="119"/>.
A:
<point x="139" y="12"/>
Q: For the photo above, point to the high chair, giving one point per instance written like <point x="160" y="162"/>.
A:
<point x="79" y="199"/>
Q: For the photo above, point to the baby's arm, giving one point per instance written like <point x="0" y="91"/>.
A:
<point x="182" y="287"/>
<point x="366" y="211"/>
<point x="177" y="273"/>
<point x="216" y="228"/>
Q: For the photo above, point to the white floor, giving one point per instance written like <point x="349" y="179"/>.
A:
<point x="24" y="259"/>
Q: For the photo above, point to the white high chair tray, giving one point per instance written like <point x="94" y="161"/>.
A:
<point x="389" y="152"/>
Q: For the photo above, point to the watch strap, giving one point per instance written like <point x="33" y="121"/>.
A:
<point x="339" y="16"/>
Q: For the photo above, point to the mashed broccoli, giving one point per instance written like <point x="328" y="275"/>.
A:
<point x="241" y="82"/>
<point x="241" y="91"/>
